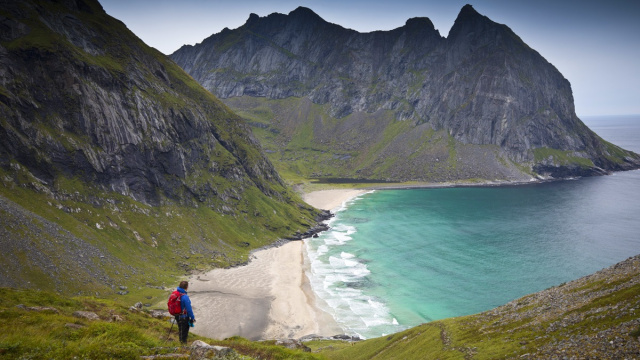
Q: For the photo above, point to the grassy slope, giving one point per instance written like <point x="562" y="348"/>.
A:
<point x="304" y="142"/>
<point x="153" y="245"/>
<point x="58" y="334"/>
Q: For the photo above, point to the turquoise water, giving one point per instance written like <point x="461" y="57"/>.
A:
<point x="397" y="258"/>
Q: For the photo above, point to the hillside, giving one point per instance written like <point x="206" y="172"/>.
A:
<point x="594" y="317"/>
<point x="400" y="105"/>
<point x="117" y="169"/>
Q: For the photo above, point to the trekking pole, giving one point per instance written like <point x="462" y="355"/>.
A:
<point x="171" y="328"/>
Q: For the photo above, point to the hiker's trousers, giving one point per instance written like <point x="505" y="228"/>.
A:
<point x="183" y="328"/>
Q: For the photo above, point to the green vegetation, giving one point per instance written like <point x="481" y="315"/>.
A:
<point x="151" y="245"/>
<point x="44" y="327"/>
<point x="453" y="155"/>
<point x="615" y="153"/>
<point x="561" y="157"/>
<point x="304" y="142"/>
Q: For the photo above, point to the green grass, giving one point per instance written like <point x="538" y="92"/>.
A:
<point x="615" y="153"/>
<point x="453" y="155"/>
<point x="58" y="334"/>
<point x="152" y="244"/>
<point x="304" y="142"/>
<point x="561" y="157"/>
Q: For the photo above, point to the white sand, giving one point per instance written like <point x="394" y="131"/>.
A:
<point x="330" y="199"/>
<point x="268" y="299"/>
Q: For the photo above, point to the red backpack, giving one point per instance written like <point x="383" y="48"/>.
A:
<point x="175" y="307"/>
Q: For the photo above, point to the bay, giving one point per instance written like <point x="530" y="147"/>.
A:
<point x="397" y="258"/>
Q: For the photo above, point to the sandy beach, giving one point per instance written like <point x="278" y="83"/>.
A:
<point x="270" y="298"/>
<point x="330" y="199"/>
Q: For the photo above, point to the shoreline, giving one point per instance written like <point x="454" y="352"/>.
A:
<point x="445" y="185"/>
<point x="271" y="296"/>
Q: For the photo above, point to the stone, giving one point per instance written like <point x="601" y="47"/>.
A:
<point x="89" y="315"/>
<point x="136" y="307"/>
<point x="159" y="314"/>
<point x="201" y="350"/>
<point x="293" y="344"/>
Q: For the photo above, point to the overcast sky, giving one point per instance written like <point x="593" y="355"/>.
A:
<point x="594" y="44"/>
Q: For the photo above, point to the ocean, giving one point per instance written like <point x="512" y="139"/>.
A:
<point x="394" y="259"/>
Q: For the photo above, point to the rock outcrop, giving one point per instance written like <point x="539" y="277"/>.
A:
<point x="498" y="109"/>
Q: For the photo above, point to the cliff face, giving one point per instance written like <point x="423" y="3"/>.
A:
<point x="481" y="85"/>
<point x="105" y="129"/>
<point x="81" y="96"/>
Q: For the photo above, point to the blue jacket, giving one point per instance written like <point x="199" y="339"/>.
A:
<point x="185" y="303"/>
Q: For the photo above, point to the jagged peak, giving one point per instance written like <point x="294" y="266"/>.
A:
<point x="469" y="15"/>
<point x="305" y="15"/>
<point x="300" y="14"/>
<point x="469" y="19"/>
<point x="467" y="11"/>
<point x="420" y="22"/>
<point x="303" y="11"/>
<point x="252" y="18"/>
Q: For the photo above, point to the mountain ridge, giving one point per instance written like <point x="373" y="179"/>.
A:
<point x="481" y="85"/>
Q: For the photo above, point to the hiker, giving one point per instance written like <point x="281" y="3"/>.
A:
<point x="185" y="317"/>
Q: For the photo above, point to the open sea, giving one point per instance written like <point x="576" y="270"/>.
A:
<point x="394" y="259"/>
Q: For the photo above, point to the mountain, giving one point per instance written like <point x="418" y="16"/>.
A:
<point x="400" y="105"/>
<point x="116" y="167"/>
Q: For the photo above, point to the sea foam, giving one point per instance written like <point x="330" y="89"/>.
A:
<point x="337" y="277"/>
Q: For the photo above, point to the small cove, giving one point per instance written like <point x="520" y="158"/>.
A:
<point x="397" y="258"/>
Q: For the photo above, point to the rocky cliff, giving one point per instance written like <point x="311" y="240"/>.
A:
<point x="108" y="139"/>
<point x="405" y="104"/>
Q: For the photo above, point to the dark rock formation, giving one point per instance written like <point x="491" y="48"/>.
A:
<point x="482" y="86"/>
<point x="81" y="96"/>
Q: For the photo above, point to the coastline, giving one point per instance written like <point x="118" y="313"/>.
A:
<point x="269" y="298"/>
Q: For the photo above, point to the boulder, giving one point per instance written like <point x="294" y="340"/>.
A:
<point x="202" y="350"/>
<point x="159" y="314"/>
<point x="293" y="344"/>
<point x="136" y="307"/>
<point x="89" y="315"/>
